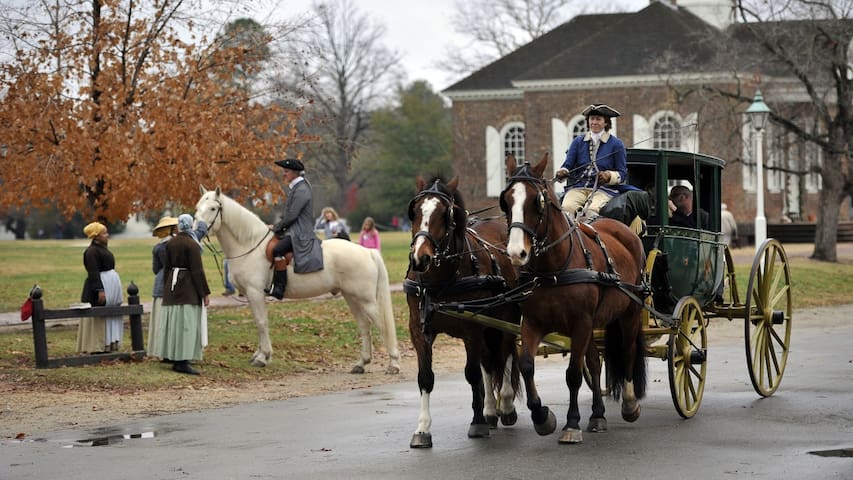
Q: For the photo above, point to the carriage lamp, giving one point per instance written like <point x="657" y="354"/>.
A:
<point x="758" y="113"/>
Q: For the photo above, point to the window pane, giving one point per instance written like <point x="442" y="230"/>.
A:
<point x="667" y="133"/>
<point x="514" y="144"/>
<point x="579" y="129"/>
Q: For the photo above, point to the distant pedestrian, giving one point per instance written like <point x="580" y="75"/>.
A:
<point x="728" y="225"/>
<point x="369" y="236"/>
<point x="332" y="225"/>
<point x="229" y="287"/>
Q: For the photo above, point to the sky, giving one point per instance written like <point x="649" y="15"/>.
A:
<point x="419" y="30"/>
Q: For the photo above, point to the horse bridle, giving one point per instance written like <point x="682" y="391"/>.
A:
<point x="544" y="204"/>
<point x="219" y="216"/>
<point x="450" y="221"/>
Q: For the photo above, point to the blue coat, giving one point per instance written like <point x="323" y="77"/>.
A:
<point x="611" y="156"/>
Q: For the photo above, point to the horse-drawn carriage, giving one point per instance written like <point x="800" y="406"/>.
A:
<point x="597" y="290"/>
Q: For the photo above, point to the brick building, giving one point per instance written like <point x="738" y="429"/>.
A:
<point x="529" y="103"/>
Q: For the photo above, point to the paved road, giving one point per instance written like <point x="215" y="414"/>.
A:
<point x="364" y="434"/>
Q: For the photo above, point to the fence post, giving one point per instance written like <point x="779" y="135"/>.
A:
<point x="39" y="333"/>
<point x="136" y="341"/>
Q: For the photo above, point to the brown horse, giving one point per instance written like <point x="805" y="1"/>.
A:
<point x="452" y="261"/>
<point x="584" y="278"/>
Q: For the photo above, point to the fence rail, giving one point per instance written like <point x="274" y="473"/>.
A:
<point x="133" y="310"/>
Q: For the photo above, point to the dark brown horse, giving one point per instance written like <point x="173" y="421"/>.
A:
<point x="452" y="261"/>
<point x="586" y="277"/>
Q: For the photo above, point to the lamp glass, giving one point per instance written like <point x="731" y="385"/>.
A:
<point x="758" y="111"/>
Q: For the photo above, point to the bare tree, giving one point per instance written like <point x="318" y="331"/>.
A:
<point x="345" y="73"/>
<point x="496" y="28"/>
<point x="813" y="50"/>
<point x="798" y="52"/>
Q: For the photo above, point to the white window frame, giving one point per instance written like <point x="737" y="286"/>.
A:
<point x="778" y="149"/>
<point x="495" y="155"/>
<point x="814" y="157"/>
<point x="678" y="125"/>
<point x="519" y="152"/>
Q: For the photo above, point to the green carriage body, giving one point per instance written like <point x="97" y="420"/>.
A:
<point x="694" y="256"/>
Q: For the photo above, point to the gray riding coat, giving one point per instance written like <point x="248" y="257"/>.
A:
<point x="298" y="223"/>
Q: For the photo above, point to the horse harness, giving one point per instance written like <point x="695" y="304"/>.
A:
<point x="459" y="282"/>
<point x="566" y="276"/>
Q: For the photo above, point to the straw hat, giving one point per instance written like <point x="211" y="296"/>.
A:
<point x="164" y="226"/>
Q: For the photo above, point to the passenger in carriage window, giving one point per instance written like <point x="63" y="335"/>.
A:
<point x="681" y="209"/>
<point x="596" y="164"/>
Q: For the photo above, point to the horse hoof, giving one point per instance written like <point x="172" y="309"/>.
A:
<point x="257" y="363"/>
<point x="392" y="370"/>
<point x="597" y="425"/>
<point x="492" y="421"/>
<point x="421" y="440"/>
<point x="478" y="430"/>
<point x="548" y="426"/>
<point x="571" y="436"/>
<point x="631" y="415"/>
<point x="357" y="369"/>
<point x="509" y="418"/>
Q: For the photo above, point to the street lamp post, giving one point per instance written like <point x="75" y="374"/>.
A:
<point x="758" y="113"/>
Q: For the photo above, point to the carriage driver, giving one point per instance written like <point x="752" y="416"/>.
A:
<point x="295" y="230"/>
<point x="596" y="157"/>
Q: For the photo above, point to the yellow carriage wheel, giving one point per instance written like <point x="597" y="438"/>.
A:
<point x="767" y="328"/>
<point x="687" y="357"/>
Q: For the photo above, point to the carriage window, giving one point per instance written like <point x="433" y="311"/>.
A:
<point x="514" y="143"/>
<point x="667" y="133"/>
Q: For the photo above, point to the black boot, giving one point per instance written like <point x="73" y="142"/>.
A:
<point x="279" y="281"/>
<point x="183" y="366"/>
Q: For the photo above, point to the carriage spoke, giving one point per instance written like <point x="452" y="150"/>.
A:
<point x="687" y="370"/>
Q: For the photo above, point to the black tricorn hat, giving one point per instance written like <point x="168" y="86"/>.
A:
<point x="291" y="164"/>
<point x="600" y="109"/>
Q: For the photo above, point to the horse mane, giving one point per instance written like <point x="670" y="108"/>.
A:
<point x="242" y="222"/>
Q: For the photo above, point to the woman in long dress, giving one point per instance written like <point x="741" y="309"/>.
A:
<point x="164" y="231"/>
<point x="185" y="294"/>
<point x="101" y="288"/>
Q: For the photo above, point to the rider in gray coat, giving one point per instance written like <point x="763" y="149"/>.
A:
<point x="296" y="227"/>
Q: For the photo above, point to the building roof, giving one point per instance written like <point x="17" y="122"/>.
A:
<point x="604" y="45"/>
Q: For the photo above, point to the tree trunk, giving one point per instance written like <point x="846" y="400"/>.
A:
<point x="831" y="196"/>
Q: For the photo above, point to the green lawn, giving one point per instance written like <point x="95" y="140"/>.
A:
<point x="306" y="335"/>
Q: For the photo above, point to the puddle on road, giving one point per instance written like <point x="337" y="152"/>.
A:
<point x="839" y="452"/>
<point x="110" y="439"/>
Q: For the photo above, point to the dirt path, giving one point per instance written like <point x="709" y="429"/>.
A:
<point x="29" y="413"/>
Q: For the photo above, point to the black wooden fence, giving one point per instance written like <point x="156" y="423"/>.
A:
<point x="133" y="309"/>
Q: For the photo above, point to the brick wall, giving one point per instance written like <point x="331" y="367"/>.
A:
<point x="719" y="136"/>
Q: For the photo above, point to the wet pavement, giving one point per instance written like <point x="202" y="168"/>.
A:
<point x="803" y="431"/>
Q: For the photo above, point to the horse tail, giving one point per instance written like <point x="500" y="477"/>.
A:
<point x="387" y="325"/>
<point x="614" y="355"/>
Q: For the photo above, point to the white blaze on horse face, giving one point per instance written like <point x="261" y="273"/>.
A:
<point x="427" y="209"/>
<point x="205" y="212"/>
<point x="515" y="246"/>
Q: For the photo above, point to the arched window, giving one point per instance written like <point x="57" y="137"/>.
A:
<point x="514" y="142"/>
<point x="667" y="132"/>
<point x="579" y="128"/>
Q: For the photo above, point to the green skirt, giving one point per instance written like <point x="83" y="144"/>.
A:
<point x="178" y="333"/>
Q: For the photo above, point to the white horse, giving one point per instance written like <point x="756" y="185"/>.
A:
<point x="357" y="273"/>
